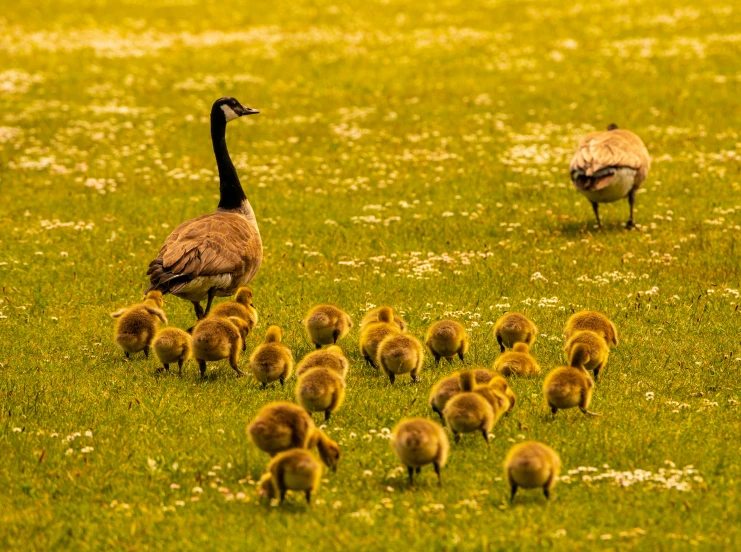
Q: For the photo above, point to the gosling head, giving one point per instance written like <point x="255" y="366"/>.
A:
<point x="227" y="109"/>
<point x="244" y="296"/>
<point x="155" y="297"/>
<point x="265" y="487"/>
<point x="273" y="335"/>
<point x="386" y="315"/>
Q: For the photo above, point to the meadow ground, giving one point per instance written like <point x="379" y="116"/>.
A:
<point x="407" y="153"/>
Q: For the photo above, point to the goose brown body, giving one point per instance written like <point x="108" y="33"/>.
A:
<point x="212" y="255"/>
<point x="609" y="166"/>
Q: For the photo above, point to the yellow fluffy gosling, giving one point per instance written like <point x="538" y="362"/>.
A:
<point x="418" y="442"/>
<point x="401" y="354"/>
<point x="445" y="339"/>
<point x="332" y="357"/>
<point x="531" y="465"/>
<point x="372" y="316"/>
<point x="280" y="426"/>
<point x="518" y="362"/>
<point x="272" y="360"/>
<point x="292" y="470"/>
<point x="326" y="325"/>
<point x="320" y="389"/>
<point x="593" y="321"/>
<point x="173" y="345"/>
<point x="449" y="386"/>
<point x="475" y="408"/>
<point x="595" y="348"/>
<point x="218" y="339"/>
<point x="242" y="307"/>
<point x="137" y="325"/>
<point x="570" y="386"/>
<point x="514" y="328"/>
<point x="373" y="333"/>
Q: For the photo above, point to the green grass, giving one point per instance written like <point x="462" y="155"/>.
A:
<point x="406" y="112"/>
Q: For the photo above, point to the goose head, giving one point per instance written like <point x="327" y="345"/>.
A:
<point x="229" y="109"/>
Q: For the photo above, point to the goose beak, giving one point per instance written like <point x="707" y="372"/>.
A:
<point x="248" y="111"/>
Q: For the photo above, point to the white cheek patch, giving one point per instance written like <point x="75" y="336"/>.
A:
<point x="229" y="113"/>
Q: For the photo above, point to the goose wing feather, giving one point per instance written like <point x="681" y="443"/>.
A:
<point x="209" y="245"/>
<point x="614" y="148"/>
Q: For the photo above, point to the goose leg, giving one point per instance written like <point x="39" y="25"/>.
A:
<point x="595" y="208"/>
<point x="631" y="200"/>
<point x="198" y="308"/>
<point x="211" y="293"/>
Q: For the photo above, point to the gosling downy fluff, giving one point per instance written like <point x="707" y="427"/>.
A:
<point x="569" y="387"/>
<point x="332" y="357"/>
<point x="173" y="345"/>
<point x="372" y="316"/>
<point x="514" y="328"/>
<point x="531" y="465"/>
<point x="446" y="339"/>
<point x="373" y="333"/>
<point x="418" y="442"/>
<point x="280" y="426"/>
<point x="449" y="386"/>
<point x="401" y="354"/>
<point x="326" y="325"/>
<point x="518" y="362"/>
<point x="242" y="307"/>
<point x="593" y="321"/>
<point x="137" y="325"/>
<point x="218" y="339"/>
<point x="292" y="470"/>
<point x="272" y="360"/>
<point x="320" y="389"/>
<point x="588" y="350"/>
<point x="475" y="408"/>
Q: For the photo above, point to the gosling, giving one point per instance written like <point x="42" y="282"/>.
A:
<point x="326" y="325"/>
<point x="320" y="390"/>
<point x="531" y="465"/>
<point x="518" y="362"/>
<point x="570" y="386"/>
<point x="218" y="339"/>
<point x="475" y="408"/>
<point x="445" y="339"/>
<point x="372" y="316"/>
<point x="447" y="387"/>
<point x="373" y="333"/>
<point x="401" y="354"/>
<point x="292" y="470"/>
<point x="418" y="442"/>
<point x="593" y="321"/>
<point x="272" y="360"/>
<point x="514" y="328"/>
<point x="173" y="345"/>
<point x="595" y="355"/>
<point x="280" y="426"/>
<point x="332" y="357"/>
<point x="137" y="325"/>
<point x="242" y="307"/>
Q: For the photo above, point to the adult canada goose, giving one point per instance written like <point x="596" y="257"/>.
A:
<point x="609" y="166"/>
<point x="213" y="255"/>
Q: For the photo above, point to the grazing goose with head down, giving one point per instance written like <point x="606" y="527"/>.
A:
<point x="609" y="166"/>
<point x="213" y="255"/>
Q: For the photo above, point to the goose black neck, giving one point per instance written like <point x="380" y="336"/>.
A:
<point x="232" y="194"/>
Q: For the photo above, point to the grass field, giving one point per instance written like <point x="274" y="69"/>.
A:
<point x="407" y="153"/>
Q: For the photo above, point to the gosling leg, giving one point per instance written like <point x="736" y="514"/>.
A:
<point x="308" y="497"/>
<point x="335" y="336"/>
<point x="437" y="471"/>
<point x="486" y="435"/>
<point x="513" y="488"/>
<point x="202" y="367"/>
<point x="180" y="368"/>
<point x="410" y="471"/>
<point x="146" y="351"/>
